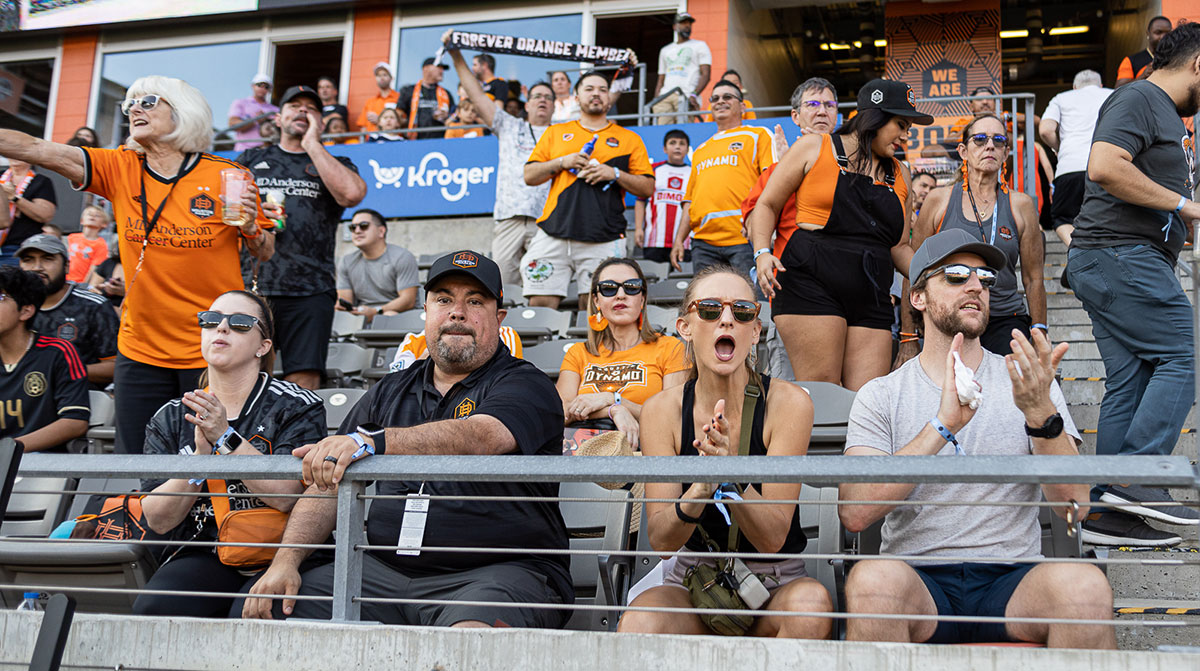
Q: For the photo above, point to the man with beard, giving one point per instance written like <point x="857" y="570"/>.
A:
<point x="70" y="311"/>
<point x="299" y="280"/>
<point x="583" y="220"/>
<point x="918" y="410"/>
<point x="1136" y="213"/>
<point x="469" y="397"/>
<point x="922" y="184"/>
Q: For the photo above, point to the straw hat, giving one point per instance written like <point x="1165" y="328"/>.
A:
<point x="615" y="444"/>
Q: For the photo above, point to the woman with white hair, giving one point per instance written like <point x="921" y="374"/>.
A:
<point x="177" y="253"/>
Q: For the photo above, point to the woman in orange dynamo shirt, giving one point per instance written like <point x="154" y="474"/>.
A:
<point x="177" y="253"/>
<point x="624" y="361"/>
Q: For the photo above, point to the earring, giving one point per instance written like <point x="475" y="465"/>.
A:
<point x="641" y="320"/>
<point x="1004" y="177"/>
<point x="963" y="170"/>
<point x="258" y="354"/>
<point x="597" y="322"/>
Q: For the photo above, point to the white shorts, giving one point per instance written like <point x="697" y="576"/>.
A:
<point x="550" y="264"/>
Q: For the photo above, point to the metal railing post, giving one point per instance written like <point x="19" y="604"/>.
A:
<point x="52" y="637"/>
<point x="347" y="559"/>
<point x="1031" y="178"/>
<point x="641" y="68"/>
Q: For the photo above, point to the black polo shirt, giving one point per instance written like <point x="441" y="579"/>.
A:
<point x="526" y="402"/>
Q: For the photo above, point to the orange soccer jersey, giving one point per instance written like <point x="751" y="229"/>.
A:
<point x="637" y="373"/>
<point x="724" y="170"/>
<point x="191" y="256"/>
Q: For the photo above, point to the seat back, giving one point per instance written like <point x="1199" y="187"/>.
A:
<point x="654" y="270"/>
<point x="344" y="359"/>
<point x="822" y="527"/>
<point x="538" y="323"/>
<point x="548" y="356"/>
<point x="514" y="294"/>
<point x="345" y="324"/>
<point x="409" y="321"/>
<point x="597" y="526"/>
<point x="36" y="514"/>
<point x="338" y="402"/>
<point x="103" y="408"/>
<point x="667" y="293"/>
<point x="115" y="565"/>
<point x="662" y="317"/>
<point x="831" y="416"/>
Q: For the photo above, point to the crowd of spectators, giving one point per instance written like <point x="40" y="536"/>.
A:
<point x="820" y="225"/>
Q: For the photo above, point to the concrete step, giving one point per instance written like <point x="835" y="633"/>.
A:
<point x="1068" y="316"/>
<point x="1082" y="350"/>
<point x="1062" y="299"/>
<point x="1186" y="447"/>
<point x="1149" y="637"/>
<point x="1177" y="577"/>
<point x="1083" y="391"/>
<point x="1072" y="333"/>
<point x="1081" y="368"/>
<point x="1088" y="416"/>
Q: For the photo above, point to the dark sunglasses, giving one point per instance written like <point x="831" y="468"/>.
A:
<point x="710" y="309"/>
<point x="146" y="102"/>
<point x="728" y="97"/>
<point x="608" y="288"/>
<point x="360" y="226"/>
<point x="238" y="321"/>
<point x="959" y="273"/>
<point x="981" y="139"/>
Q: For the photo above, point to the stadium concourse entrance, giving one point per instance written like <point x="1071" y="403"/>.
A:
<point x="645" y="34"/>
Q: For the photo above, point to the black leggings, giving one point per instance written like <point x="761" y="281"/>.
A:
<point x="140" y="390"/>
<point x="197" y="571"/>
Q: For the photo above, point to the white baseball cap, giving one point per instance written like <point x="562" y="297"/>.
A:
<point x="385" y="66"/>
<point x="262" y="78"/>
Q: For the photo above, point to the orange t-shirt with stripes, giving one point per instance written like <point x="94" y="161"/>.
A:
<point x="191" y="257"/>
<point x="724" y="170"/>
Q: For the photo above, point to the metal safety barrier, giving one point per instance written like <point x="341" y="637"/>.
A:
<point x="352" y="498"/>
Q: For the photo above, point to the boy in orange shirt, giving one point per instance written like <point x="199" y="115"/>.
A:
<point x="87" y="249"/>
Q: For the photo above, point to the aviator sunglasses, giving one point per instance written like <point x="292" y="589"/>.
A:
<point x="238" y="321"/>
<point x="146" y="102"/>
<point x="608" y="288"/>
<point x="710" y="309"/>
<point x="959" y="273"/>
<point x="981" y="139"/>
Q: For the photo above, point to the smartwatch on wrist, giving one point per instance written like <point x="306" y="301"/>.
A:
<point x="370" y="430"/>
<point x="1053" y="428"/>
<point x="228" y="442"/>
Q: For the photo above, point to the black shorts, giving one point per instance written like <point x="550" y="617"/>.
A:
<point x="998" y="335"/>
<point x="1068" y="197"/>
<point x="972" y="589"/>
<point x="302" y="327"/>
<point x="824" y="276"/>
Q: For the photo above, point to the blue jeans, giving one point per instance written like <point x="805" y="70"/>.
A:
<point x="739" y="256"/>
<point x="1142" y="322"/>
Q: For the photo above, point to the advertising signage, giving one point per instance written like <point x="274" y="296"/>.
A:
<point x="42" y="14"/>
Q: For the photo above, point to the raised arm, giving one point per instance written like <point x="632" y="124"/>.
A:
<point x="66" y="161"/>
<point x="475" y="92"/>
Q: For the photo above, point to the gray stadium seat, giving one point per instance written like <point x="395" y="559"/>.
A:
<point x="345" y="325"/>
<point x="381" y="362"/>
<point x="662" y="317"/>
<point x="345" y="360"/>
<point x="514" y="294"/>
<point x="116" y="565"/>
<point x="101" y="434"/>
<point x="424" y="261"/>
<point x="654" y="270"/>
<point x="534" y="324"/>
<point x="686" y="270"/>
<point x="338" y="402"/>
<point x="600" y="527"/>
<point x="667" y="293"/>
<point x="389" y="330"/>
<point x="548" y="356"/>
<point x="831" y="415"/>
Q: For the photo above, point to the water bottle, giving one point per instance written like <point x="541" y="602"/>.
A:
<point x="31" y="602"/>
<point x="586" y="151"/>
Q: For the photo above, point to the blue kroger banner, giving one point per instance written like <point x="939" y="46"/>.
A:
<point x="433" y="178"/>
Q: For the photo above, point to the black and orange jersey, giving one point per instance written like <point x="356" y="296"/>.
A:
<point x="815" y="197"/>
<point x="576" y="210"/>
<point x="1133" y="65"/>
<point x="49" y="383"/>
<point x="191" y="257"/>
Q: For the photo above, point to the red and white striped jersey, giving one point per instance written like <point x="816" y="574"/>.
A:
<point x="670" y="183"/>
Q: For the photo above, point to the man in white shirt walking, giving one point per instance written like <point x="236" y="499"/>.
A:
<point x="686" y="64"/>
<point x="1067" y="127"/>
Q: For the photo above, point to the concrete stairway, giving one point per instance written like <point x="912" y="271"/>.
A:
<point x="1135" y="586"/>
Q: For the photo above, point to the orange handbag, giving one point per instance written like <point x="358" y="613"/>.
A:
<point x="255" y="525"/>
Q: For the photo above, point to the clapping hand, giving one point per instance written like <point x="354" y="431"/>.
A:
<point x="1031" y="368"/>
<point x="208" y="418"/>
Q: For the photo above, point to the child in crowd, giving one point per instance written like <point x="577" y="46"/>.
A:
<point x="337" y="125"/>
<point x="87" y="249"/>
<point x="655" y="233"/>
<point x="467" y="116"/>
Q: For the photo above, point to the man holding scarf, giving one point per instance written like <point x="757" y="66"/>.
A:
<point x="427" y="102"/>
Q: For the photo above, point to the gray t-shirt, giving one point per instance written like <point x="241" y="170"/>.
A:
<point x="1141" y="119"/>
<point x="514" y="197"/>
<point x="377" y="281"/>
<point x="890" y="411"/>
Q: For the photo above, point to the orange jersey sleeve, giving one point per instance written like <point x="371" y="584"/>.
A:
<point x="1125" y="69"/>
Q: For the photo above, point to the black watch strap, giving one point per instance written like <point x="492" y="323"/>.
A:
<point x="1052" y="428"/>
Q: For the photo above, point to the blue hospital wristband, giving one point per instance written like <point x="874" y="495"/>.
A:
<point x="945" y="433"/>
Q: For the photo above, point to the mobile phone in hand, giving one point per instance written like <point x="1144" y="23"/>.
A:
<point x="345" y="304"/>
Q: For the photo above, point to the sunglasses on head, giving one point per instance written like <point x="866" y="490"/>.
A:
<point x="238" y="321"/>
<point x="146" y="102"/>
<point x="981" y="139"/>
<point x="959" y="273"/>
<point x="608" y="288"/>
<point x="710" y="309"/>
<point x="814" y="104"/>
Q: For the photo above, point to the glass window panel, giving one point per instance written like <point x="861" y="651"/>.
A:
<point x="222" y="72"/>
<point x="417" y="44"/>
<point x="25" y="95"/>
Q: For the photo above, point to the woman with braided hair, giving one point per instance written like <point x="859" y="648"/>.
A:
<point x="980" y="203"/>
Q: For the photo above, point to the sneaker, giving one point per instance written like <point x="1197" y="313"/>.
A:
<point x="1171" y="512"/>
<point x="1120" y="529"/>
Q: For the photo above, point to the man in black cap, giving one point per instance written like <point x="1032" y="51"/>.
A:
<point x="316" y="187"/>
<point x="70" y="311"/>
<point x="685" y="64"/>
<point x="427" y="102"/>
<point x="469" y="397"/>
<point x="1008" y="406"/>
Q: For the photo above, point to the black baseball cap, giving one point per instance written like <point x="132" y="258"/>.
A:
<point x="298" y="91"/>
<point x="467" y="262"/>
<point x="893" y="97"/>
<point x="433" y="61"/>
<point x="937" y="248"/>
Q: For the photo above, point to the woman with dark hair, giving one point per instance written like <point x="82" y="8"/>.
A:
<point x="704" y="416"/>
<point x="832" y="307"/>
<point x="980" y="203"/>
<point x="84" y="136"/>
<point x="241" y="410"/>
<point x="625" y="360"/>
<point x="336" y="125"/>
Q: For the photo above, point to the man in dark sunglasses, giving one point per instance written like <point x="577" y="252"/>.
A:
<point x="957" y="400"/>
<point x="378" y="276"/>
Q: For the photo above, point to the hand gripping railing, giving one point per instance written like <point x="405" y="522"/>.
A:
<point x="815" y="471"/>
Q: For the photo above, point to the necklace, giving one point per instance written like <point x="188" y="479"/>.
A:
<point x="9" y="367"/>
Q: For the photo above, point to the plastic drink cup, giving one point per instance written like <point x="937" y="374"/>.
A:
<point x="233" y="185"/>
<point x="276" y="197"/>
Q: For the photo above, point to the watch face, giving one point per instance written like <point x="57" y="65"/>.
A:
<point x="370" y="428"/>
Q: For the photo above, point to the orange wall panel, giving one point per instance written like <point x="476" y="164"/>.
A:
<point x="74" y="84"/>
<point x="372" y="43"/>
<point x="1181" y="9"/>
<point x="712" y="26"/>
